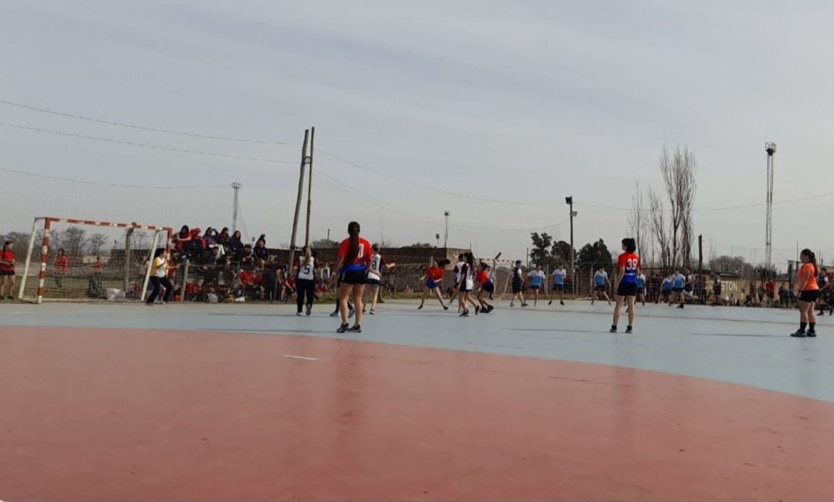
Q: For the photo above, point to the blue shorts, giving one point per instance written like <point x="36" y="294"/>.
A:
<point x="431" y="284"/>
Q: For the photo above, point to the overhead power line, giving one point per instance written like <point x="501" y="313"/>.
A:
<point x="420" y="185"/>
<point x="141" y="128"/>
<point x="112" y="185"/>
<point x="428" y="219"/>
<point x="145" y="145"/>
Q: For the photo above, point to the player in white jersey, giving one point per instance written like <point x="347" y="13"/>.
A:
<point x="374" y="281"/>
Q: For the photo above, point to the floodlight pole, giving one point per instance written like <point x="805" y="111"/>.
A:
<point x="770" y="148"/>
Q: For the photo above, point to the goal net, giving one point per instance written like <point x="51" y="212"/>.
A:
<point x="70" y="259"/>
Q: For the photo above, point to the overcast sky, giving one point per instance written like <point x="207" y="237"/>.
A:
<point x="517" y="101"/>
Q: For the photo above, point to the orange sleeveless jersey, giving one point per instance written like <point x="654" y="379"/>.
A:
<point x="807" y="272"/>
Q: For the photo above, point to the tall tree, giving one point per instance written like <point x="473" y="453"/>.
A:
<point x="657" y="220"/>
<point x="678" y="171"/>
<point x="540" y="254"/>
<point x="72" y="241"/>
<point x="638" y="221"/>
<point x="20" y="240"/>
<point x="561" y="253"/>
<point x="593" y="256"/>
<point x="95" y="242"/>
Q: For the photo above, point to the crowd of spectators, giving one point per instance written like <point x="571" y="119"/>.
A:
<point x="221" y="267"/>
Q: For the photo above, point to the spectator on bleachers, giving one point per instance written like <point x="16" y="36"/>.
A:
<point x="223" y="238"/>
<point x="247" y="257"/>
<point x="195" y="246"/>
<point x="235" y="243"/>
<point x="260" y="251"/>
<point x="210" y="236"/>
<point x="182" y="238"/>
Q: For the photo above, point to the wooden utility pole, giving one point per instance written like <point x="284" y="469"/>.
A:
<point x="310" y="185"/>
<point x="298" y="200"/>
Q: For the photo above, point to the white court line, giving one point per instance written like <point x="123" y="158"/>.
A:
<point x="301" y="357"/>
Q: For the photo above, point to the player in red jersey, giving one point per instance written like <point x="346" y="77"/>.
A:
<point x="7" y="270"/>
<point x="433" y="278"/>
<point x="354" y="262"/>
<point x="629" y="266"/>
<point x="487" y="288"/>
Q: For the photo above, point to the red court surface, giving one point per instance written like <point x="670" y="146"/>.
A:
<point x="105" y="414"/>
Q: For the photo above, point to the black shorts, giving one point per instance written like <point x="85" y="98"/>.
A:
<point x="7" y="273"/>
<point x="372" y="282"/>
<point x="627" y="289"/>
<point x="809" y="296"/>
<point x="488" y="287"/>
<point x="600" y="288"/>
<point x="677" y="290"/>
<point x="516" y="288"/>
<point x="535" y="287"/>
<point x="558" y="287"/>
<point x="354" y="277"/>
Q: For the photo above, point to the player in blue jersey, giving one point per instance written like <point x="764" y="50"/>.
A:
<point x="678" y="284"/>
<point x="559" y="276"/>
<point x="629" y="266"/>
<point x="536" y="282"/>
<point x="600" y="285"/>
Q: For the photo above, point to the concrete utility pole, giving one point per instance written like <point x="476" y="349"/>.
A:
<point x="298" y="199"/>
<point x="446" y="234"/>
<point x="235" y="204"/>
<point x="309" y="185"/>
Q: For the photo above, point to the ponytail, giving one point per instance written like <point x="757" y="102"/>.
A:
<point x="812" y="259"/>
<point x="353" y="248"/>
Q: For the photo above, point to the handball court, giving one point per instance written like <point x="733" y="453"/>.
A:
<point x="248" y="402"/>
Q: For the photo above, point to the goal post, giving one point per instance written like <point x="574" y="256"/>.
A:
<point x="89" y="259"/>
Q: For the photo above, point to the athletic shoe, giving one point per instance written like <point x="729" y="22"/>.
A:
<point x="464" y="314"/>
<point x="512" y="304"/>
<point x="811" y="334"/>
<point x="550" y="302"/>
<point x="356" y="329"/>
<point x="445" y="307"/>
<point x="309" y="309"/>
<point x="335" y="314"/>
<point x="10" y="297"/>
<point x="628" y="330"/>
<point x="561" y="302"/>
<point x="490" y="308"/>
<point x="592" y="302"/>
<point x="613" y="329"/>
<point x="298" y="314"/>
<point x="343" y="328"/>
<point x="523" y="304"/>
<point x="680" y="306"/>
<point x="798" y="334"/>
<point x="421" y="307"/>
<point x="372" y="312"/>
<point x="477" y="310"/>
